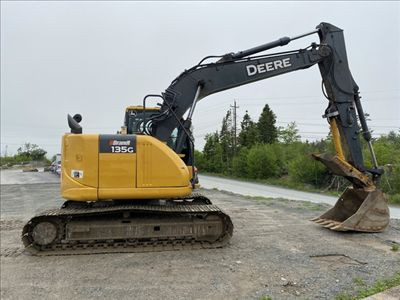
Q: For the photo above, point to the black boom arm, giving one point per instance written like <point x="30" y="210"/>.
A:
<point x="236" y="69"/>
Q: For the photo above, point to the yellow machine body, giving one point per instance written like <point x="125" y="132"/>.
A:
<point x="102" y="167"/>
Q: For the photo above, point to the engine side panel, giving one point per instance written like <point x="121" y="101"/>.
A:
<point x="158" y="165"/>
<point x="79" y="176"/>
<point x="117" y="161"/>
<point x="103" y="167"/>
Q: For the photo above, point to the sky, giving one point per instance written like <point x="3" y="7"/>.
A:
<point x="96" y="58"/>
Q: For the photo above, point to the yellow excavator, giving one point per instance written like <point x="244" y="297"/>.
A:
<point x="133" y="191"/>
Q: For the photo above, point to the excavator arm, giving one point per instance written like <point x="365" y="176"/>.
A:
<point x="344" y="112"/>
<point x="236" y="69"/>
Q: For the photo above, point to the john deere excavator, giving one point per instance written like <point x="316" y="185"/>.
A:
<point x="132" y="191"/>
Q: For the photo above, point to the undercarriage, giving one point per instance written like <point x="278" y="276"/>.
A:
<point x="120" y="226"/>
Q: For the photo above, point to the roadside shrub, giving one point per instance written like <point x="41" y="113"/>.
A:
<point x="239" y="163"/>
<point x="286" y="153"/>
<point x="262" y="162"/>
<point x="213" y="158"/>
<point x="390" y="181"/>
<point x="280" y="153"/>
<point x="307" y="170"/>
<point x="13" y="160"/>
<point x="199" y="160"/>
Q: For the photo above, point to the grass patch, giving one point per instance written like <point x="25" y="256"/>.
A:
<point x="395" y="247"/>
<point x="306" y="205"/>
<point x="359" y="281"/>
<point x="313" y="206"/>
<point x="262" y="199"/>
<point x="265" y="298"/>
<point x="394" y="199"/>
<point x="259" y="198"/>
<point x="366" y="291"/>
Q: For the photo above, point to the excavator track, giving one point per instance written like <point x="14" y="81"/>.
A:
<point x="115" y="226"/>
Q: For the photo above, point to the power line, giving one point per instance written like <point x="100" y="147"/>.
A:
<point x="306" y="133"/>
<point x="272" y="103"/>
<point x="394" y="127"/>
<point x="324" y="124"/>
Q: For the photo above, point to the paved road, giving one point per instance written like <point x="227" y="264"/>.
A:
<point x="263" y="190"/>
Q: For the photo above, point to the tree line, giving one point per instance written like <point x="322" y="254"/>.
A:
<point x="263" y="151"/>
<point x="26" y="153"/>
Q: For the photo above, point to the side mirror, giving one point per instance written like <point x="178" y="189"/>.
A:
<point x="73" y="123"/>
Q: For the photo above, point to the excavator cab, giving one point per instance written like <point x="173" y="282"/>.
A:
<point x="139" y="120"/>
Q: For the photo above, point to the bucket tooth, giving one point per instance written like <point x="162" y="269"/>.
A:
<point x="320" y="220"/>
<point x="331" y="225"/>
<point x="338" y="228"/>
<point x="326" y="222"/>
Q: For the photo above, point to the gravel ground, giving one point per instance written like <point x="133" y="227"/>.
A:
<point x="275" y="251"/>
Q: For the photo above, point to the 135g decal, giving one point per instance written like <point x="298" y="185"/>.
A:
<point x="117" y="143"/>
<point x="122" y="149"/>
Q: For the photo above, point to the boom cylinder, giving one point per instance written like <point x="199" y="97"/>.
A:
<point x="279" y="42"/>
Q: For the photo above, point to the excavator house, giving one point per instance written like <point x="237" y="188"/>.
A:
<point x="133" y="191"/>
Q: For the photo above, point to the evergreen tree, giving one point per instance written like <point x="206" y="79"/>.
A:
<point x="266" y="126"/>
<point x="227" y="138"/>
<point x="248" y="135"/>
<point x="212" y="153"/>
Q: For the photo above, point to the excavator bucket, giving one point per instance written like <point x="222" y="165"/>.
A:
<point x="360" y="208"/>
<point x="357" y="210"/>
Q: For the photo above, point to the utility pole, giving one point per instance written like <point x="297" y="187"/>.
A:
<point x="234" y="126"/>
